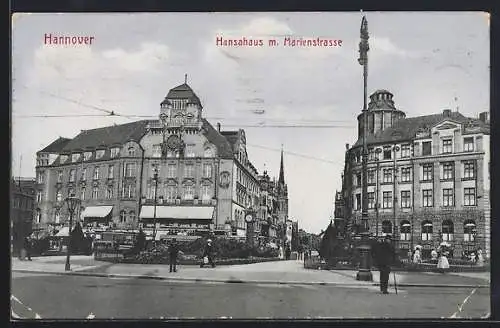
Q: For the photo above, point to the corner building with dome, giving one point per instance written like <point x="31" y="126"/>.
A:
<point x="428" y="178"/>
<point x="200" y="176"/>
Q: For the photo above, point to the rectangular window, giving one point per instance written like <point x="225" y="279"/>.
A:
<point x="387" y="153"/>
<point x="128" y="191"/>
<point x="406" y="174"/>
<point x="130" y="170"/>
<point x="82" y="194"/>
<point x="41" y="177"/>
<point x="469" y="144"/>
<point x="447" y="146"/>
<point x="371" y="200"/>
<point x="405" y="151"/>
<point x="371" y="176"/>
<point x="387" y="176"/>
<point x="358" y="201"/>
<point x="84" y="174"/>
<point x="426" y="148"/>
<point x="109" y="193"/>
<point x="427" y="172"/>
<point x="206" y="192"/>
<point x="447" y="197"/>
<point x="469" y="196"/>
<point x="72" y="175"/>
<point x="405" y="199"/>
<point x="447" y="170"/>
<point x="99" y="153"/>
<point x="170" y="192"/>
<point x="59" y="176"/>
<point x="156" y="150"/>
<point x="114" y="152"/>
<point x="358" y="179"/>
<point x="427" y="198"/>
<point x="188" y="192"/>
<point x="96" y="173"/>
<point x="39" y="196"/>
<point x="189" y="171"/>
<point x="469" y="169"/>
<point x="171" y="171"/>
<point x="95" y="193"/>
<point x="207" y="170"/>
<point x="111" y="171"/>
<point x="387" y="199"/>
<point x="87" y="155"/>
<point x="75" y="157"/>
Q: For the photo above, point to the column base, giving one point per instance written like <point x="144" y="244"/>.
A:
<point x="364" y="275"/>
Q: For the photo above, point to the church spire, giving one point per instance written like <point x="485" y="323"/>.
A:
<point x="281" y="180"/>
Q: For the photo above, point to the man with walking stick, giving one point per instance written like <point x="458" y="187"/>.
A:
<point x="385" y="256"/>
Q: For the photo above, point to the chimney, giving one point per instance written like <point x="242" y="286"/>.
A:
<point x="446" y="112"/>
<point x="484" y="117"/>
<point x="346" y="146"/>
<point x="218" y="127"/>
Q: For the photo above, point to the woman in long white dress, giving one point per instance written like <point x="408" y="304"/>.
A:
<point x="417" y="258"/>
<point x="480" y="258"/>
<point x="443" y="263"/>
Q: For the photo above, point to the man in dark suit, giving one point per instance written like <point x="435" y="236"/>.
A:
<point x="385" y="256"/>
<point x="173" y="253"/>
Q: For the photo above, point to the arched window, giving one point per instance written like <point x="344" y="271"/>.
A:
<point x="57" y="216"/>
<point x="405" y="230"/>
<point x="59" y="196"/>
<point x="123" y="217"/>
<point x="427" y="230"/>
<point x="386" y="227"/>
<point x="447" y="230"/>
<point x="469" y="230"/>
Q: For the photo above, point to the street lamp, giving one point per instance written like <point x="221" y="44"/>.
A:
<point x="364" y="272"/>
<point x="73" y="203"/>
<point x="155" y="179"/>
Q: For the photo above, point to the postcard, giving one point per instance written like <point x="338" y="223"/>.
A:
<point x="250" y="165"/>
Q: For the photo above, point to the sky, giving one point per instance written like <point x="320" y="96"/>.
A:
<point x="429" y="61"/>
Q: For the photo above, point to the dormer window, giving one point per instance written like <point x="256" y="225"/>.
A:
<point x="131" y="151"/>
<point x="64" y="158"/>
<point x="114" y="152"/>
<point x="87" y="155"/>
<point x="75" y="157"/>
<point x="99" y="153"/>
<point x="156" y="150"/>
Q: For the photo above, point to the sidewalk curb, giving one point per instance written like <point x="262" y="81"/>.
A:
<point x="237" y="281"/>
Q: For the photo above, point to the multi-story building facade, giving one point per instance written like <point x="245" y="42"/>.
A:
<point x="177" y="175"/>
<point x="428" y="178"/>
<point x="22" y="200"/>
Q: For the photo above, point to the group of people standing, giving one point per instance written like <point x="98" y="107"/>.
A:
<point x="174" y="252"/>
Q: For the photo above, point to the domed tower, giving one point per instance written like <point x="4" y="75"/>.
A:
<point x="181" y="109"/>
<point x="382" y="113"/>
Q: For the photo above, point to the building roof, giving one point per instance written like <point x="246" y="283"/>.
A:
<point x="56" y="146"/>
<point x="107" y="136"/>
<point x="406" y="129"/>
<point x="182" y="91"/>
<point x="233" y="137"/>
<point x="224" y="148"/>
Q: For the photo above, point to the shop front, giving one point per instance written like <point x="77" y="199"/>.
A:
<point x="180" y="222"/>
<point x="96" y="220"/>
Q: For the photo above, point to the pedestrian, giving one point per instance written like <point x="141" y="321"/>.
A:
<point x="287" y="252"/>
<point x="434" y="255"/>
<point x="480" y="258"/>
<point x="417" y="258"/>
<point x="209" y="254"/>
<point x="442" y="263"/>
<point x="27" y="247"/>
<point x="173" y="252"/>
<point x="385" y="256"/>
